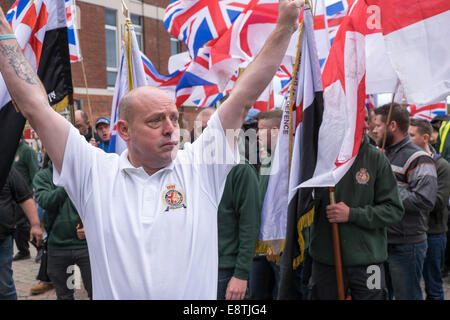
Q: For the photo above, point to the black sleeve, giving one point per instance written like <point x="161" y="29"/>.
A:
<point x="20" y="191"/>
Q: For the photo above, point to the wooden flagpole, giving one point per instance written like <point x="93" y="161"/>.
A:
<point x="388" y="120"/>
<point x="337" y="252"/>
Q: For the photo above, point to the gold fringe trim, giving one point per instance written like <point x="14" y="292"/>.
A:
<point x="60" y="106"/>
<point x="305" y="221"/>
<point x="271" y="249"/>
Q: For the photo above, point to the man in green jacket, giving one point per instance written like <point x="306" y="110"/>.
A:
<point x="238" y="224"/>
<point x="238" y="228"/>
<point x="367" y="201"/>
<point x="26" y="163"/>
<point x="67" y="244"/>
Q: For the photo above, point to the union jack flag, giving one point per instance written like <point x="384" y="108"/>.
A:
<point x="28" y="20"/>
<point x="371" y="101"/>
<point x="428" y="112"/>
<point x="197" y="85"/>
<point x="195" y="22"/>
<point x="74" y="48"/>
<point x="284" y="74"/>
<point x="167" y="83"/>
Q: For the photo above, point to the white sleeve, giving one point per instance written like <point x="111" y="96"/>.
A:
<point x="212" y="158"/>
<point x="75" y="175"/>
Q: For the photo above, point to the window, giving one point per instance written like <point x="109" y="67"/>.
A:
<point x="11" y="2"/>
<point x="111" y="47"/>
<point x="175" y="46"/>
<point x="137" y="24"/>
<point x="78" y="104"/>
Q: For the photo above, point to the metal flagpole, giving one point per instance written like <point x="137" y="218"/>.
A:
<point x="291" y="93"/>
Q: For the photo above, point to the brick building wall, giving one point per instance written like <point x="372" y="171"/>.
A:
<point x="156" y="46"/>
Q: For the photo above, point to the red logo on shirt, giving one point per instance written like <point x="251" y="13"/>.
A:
<point x="173" y="198"/>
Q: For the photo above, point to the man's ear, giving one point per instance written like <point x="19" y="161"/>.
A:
<point x="123" y="129"/>
<point x="426" y="138"/>
<point x="394" y="126"/>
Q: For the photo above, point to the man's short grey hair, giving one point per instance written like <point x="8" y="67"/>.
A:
<point x="125" y="107"/>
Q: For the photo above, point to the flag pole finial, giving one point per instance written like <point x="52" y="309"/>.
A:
<point x="125" y="10"/>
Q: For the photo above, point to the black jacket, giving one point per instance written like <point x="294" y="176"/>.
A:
<point x="17" y="191"/>
<point x="439" y="216"/>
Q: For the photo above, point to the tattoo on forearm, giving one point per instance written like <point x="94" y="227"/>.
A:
<point x="20" y="66"/>
<point x="45" y="102"/>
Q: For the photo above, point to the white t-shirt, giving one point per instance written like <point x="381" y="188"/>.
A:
<point x="150" y="237"/>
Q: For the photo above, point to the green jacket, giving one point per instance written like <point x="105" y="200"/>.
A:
<point x="26" y="162"/>
<point x="54" y="201"/>
<point x="239" y="220"/>
<point x="370" y="190"/>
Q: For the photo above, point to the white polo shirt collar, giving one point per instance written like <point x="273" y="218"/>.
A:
<point x="126" y="166"/>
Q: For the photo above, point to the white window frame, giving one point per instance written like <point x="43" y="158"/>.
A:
<point x="173" y="39"/>
<point x="138" y="30"/>
<point x="112" y="69"/>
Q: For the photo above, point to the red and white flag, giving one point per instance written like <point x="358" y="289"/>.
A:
<point x="416" y="39"/>
<point x="344" y="96"/>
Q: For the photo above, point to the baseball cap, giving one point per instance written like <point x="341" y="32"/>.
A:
<point x="251" y="114"/>
<point x="102" y="119"/>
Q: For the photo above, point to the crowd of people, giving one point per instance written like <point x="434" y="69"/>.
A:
<point x="161" y="221"/>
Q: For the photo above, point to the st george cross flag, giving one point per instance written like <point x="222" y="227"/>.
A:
<point x="41" y="30"/>
<point x="416" y="38"/>
<point x="344" y="96"/>
<point x="117" y="145"/>
<point x="306" y="119"/>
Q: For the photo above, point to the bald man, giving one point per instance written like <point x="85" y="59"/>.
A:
<point x="201" y="121"/>
<point x="149" y="213"/>
<point x="84" y="127"/>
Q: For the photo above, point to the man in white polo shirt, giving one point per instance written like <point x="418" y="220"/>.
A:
<point x="148" y="212"/>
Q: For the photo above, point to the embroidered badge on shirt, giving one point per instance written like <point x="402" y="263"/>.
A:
<point x="362" y="176"/>
<point x="173" y="198"/>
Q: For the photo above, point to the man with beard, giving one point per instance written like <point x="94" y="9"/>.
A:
<point x="416" y="176"/>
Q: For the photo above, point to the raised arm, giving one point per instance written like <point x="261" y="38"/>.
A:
<point x="261" y="71"/>
<point x="30" y="96"/>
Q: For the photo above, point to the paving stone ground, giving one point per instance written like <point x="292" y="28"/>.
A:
<point x="25" y="272"/>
